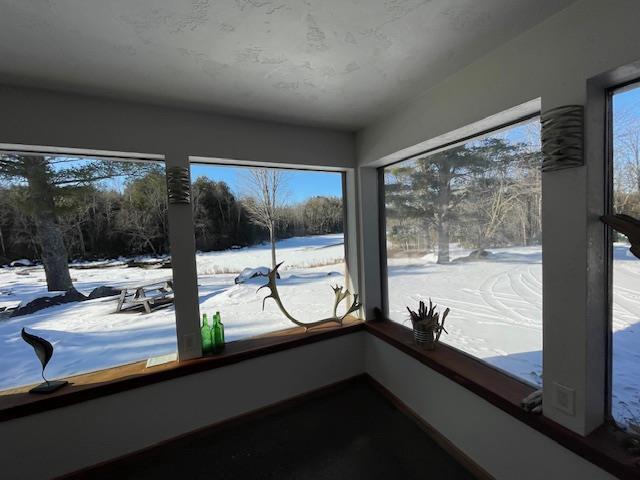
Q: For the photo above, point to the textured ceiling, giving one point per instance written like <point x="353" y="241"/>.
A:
<point x="339" y="63"/>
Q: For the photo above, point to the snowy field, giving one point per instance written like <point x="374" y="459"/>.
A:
<point x="89" y="336"/>
<point x="626" y="335"/>
<point x="496" y="303"/>
<point x="496" y="309"/>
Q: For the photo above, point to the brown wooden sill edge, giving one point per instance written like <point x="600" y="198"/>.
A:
<point x="600" y="447"/>
<point x="283" y="405"/>
<point x="16" y="405"/>
<point x="596" y="448"/>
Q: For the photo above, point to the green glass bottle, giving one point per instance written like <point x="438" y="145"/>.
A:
<point x="218" y="332"/>
<point x="206" y="336"/>
<point x="221" y="327"/>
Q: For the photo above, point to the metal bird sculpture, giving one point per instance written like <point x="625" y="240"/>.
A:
<point x="628" y="226"/>
<point x="44" y="352"/>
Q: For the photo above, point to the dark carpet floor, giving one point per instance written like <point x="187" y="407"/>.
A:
<point x="354" y="433"/>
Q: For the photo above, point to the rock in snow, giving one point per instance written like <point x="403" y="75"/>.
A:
<point x="23" y="262"/>
<point x="101" y="292"/>
<point x="45" y="302"/>
<point x="249" y="273"/>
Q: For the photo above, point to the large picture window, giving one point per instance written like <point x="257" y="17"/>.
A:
<point x="246" y="221"/>
<point x="84" y="250"/>
<point x="625" y="365"/>
<point x="463" y="228"/>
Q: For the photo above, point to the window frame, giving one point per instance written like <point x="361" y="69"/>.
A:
<point x="349" y="215"/>
<point x="187" y="311"/>
<point x="609" y="92"/>
<point x="115" y="156"/>
<point x="384" y="273"/>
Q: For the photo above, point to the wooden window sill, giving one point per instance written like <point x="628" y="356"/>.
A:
<point x="602" y="447"/>
<point x="18" y="402"/>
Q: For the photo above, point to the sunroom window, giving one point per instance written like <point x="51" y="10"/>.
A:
<point x="84" y="249"/>
<point x="625" y="359"/>
<point x="247" y="221"/>
<point x="463" y="228"/>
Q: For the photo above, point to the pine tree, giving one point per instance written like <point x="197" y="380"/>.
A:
<point x="49" y="179"/>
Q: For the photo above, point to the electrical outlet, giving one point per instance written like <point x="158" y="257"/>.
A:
<point x="564" y="398"/>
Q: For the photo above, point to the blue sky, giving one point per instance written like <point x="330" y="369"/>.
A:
<point x="629" y="99"/>
<point x="301" y="184"/>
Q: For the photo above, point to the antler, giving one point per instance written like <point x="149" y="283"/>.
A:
<point x="338" y="291"/>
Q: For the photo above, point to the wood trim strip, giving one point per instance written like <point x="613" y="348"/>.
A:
<point x="18" y="403"/>
<point x="490" y="383"/>
<point x="602" y="447"/>
<point x="462" y="458"/>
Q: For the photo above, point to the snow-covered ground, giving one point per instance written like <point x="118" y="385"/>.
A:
<point x="89" y="336"/>
<point x="626" y="335"/>
<point x="496" y="303"/>
<point x="496" y="309"/>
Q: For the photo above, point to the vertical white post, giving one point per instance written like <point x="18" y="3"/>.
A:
<point x="185" y="278"/>
<point x="370" y="278"/>
<point x="574" y="284"/>
<point x="350" y="199"/>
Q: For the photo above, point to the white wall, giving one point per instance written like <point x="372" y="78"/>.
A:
<point x="39" y="117"/>
<point x="59" y="441"/>
<point x="502" y="445"/>
<point x="551" y="62"/>
<point x="66" y="439"/>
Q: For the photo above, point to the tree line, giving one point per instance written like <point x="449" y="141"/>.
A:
<point x="56" y="209"/>
<point x="481" y="194"/>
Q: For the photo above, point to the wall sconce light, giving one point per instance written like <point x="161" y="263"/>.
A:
<point x="562" y="138"/>
<point x="178" y="185"/>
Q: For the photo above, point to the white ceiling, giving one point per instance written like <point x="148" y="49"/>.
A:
<point x="339" y="63"/>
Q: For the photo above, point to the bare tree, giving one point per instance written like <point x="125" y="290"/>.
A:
<point x="626" y="163"/>
<point x="266" y="191"/>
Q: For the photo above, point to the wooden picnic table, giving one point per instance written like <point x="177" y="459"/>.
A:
<point x="148" y="296"/>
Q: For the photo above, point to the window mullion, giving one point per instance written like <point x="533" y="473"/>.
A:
<point x="185" y="280"/>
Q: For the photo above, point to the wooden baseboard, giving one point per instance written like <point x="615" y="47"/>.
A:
<point x="443" y="442"/>
<point x="463" y="459"/>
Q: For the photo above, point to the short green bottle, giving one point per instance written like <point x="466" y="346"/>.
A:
<point x="206" y="336"/>
<point x="218" y="332"/>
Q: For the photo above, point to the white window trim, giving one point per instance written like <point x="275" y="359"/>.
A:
<point x="183" y="248"/>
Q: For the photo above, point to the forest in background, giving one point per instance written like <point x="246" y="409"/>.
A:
<point x="101" y="222"/>
<point x="485" y="193"/>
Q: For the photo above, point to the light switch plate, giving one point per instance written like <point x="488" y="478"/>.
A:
<point x="564" y="398"/>
<point x="189" y="341"/>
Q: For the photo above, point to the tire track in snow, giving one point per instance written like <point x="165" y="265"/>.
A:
<point x="490" y="295"/>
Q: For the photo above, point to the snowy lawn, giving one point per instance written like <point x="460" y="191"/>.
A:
<point x="89" y="336"/>
<point x="496" y="304"/>
<point x="496" y="311"/>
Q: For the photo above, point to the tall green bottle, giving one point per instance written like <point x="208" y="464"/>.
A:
<point x="206" y="336"/>
<point x="217" y="332"/>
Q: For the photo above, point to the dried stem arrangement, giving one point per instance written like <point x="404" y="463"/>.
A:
<point x="427" y="326"/>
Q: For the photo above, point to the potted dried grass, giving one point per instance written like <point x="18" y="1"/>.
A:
<point x="427" y="326"/>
